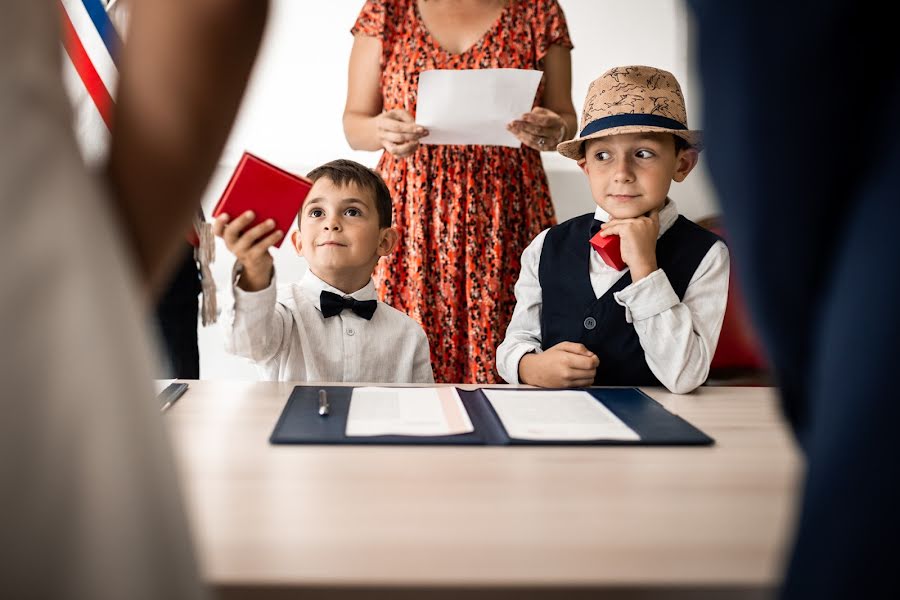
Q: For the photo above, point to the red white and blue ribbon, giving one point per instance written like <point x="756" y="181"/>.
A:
<point x="93" y="46"/>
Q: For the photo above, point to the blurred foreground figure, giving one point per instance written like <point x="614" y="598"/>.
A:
<point x="801" y="117"/>
<point x="89" y="501"/>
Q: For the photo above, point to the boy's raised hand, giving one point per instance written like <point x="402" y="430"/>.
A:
<point x="638" y="241"/>
<point x="250" y="247"/>
<point x="566" y="364"/>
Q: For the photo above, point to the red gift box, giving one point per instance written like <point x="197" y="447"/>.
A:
<point x="608" y="249"/>
<point x="270" y="192"/>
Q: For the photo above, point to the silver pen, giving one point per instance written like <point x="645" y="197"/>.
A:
<point x="323" y="403"/>
<point x="172" y="393"/>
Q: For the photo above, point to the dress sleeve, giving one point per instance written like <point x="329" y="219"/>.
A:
<point x="371" y="19"/>
<point x="550" y="27"/>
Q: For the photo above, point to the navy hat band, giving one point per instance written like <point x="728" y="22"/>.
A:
<point x="623" y="120"/>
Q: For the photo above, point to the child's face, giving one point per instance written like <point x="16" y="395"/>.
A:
<point x="339" y="232"/>
<point x="630" y="173"/>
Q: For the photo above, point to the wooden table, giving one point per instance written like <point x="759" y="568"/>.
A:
<point x="443" y="522"/>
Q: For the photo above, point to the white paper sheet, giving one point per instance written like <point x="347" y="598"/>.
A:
<point x="406" y="411"/>
<point x="474" y="106"/>
<point x="557" y="415"/>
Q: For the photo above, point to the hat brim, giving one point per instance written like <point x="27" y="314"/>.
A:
<point x="574" y="149"/>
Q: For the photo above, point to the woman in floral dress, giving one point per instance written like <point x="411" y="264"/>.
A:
<point x="464" y="213"/>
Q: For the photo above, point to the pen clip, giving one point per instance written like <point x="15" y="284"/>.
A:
<point x="323" y="403"/>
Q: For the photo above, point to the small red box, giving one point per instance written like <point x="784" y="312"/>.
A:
<point x="608" y="249"/>
<point x="270" y="192"/>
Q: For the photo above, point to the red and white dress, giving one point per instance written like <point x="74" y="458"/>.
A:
<point x="464" y="213"/>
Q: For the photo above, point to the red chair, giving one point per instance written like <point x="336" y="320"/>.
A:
<point x="739" y="358"/>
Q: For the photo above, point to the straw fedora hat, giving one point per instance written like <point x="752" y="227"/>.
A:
<point x="632" y="99"/>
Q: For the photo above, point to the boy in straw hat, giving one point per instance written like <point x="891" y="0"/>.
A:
<point x="579" y="321"/>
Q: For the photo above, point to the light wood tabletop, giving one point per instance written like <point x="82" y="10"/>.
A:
<point x="447" y="522"/>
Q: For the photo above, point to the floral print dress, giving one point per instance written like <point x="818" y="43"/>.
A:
<point x="464" y="213"/>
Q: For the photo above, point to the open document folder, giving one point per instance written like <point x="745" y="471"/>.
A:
<point x="499" y="416"/>
<point x="474" y="106"/>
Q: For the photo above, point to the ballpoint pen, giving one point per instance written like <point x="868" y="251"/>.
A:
<point x="171" y="394"/>
<point x="323" y="403"/>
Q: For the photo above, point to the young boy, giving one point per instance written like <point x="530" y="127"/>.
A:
<point x="579" y="322"/>
<point x="329" y="326"/>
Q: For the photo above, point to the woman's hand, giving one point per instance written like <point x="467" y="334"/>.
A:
<point x="398" y="133"/>
<point x="541" y="129"/>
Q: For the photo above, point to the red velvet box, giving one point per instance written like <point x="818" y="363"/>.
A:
<point x="608" y="249"/>
<point x="270" y="192"/>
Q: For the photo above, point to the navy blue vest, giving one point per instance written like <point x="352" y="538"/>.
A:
<point x="571" y="313"/>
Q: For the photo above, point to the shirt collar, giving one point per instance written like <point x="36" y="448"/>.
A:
<point x="667" y="216"/>
<point x="312" y="288"/>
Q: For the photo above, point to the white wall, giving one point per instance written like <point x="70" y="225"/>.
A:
<point x="291" y="114"/>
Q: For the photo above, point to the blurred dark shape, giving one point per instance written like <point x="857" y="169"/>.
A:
<point x="801" y="117"/>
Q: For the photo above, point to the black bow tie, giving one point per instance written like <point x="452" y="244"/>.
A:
<point x="332" y="304"/>
<point x="595" y="226"/>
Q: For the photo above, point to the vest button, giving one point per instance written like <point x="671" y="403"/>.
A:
<point x="590" y="323"/>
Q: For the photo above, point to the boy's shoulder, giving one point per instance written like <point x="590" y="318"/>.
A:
<point x="575" y="226"/>
<point x="401" y="322"/>
<point x="689" y="228"/>
<point x="397" y="315"/>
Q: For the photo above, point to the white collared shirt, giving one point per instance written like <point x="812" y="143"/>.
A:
<point x="678" y="337"/>
<point x="287" y="337"/>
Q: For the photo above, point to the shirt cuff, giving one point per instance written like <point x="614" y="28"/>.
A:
<point x="513" y="358"/>
<point x="252" y="300"/>
<point x="648" y="297"/>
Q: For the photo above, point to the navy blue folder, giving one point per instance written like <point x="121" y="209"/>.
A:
<point x="300" y="422"/>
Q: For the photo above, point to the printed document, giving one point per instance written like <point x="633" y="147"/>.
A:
<point x="407" y="411"/>
<point x="557" y="415"/>
<point x="474" y="106"/>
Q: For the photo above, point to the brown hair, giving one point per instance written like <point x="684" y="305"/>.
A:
<point x="342" y="171"/>
<point x="681" y="143"/>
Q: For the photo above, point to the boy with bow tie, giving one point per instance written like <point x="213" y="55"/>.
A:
<point x="580" y="320"/>
<point x="329" y="326"/>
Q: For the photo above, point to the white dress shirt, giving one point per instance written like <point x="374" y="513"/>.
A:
<point x="289" y="339"/>
<point x="678" y="337"/>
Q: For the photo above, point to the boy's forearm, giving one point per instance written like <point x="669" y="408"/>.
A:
<point x="529" y="362"/>
<point x="643" y="269"/>
<point x="533" y="370"/>
<point x="184" y="69"/>
<point x="255" y="325"/>
<point x="510" y="352"/>
<point x="255" y="279"/>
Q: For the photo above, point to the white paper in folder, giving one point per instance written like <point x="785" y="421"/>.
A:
<point x="407" y="411"/>
<point x="557" y="415"/>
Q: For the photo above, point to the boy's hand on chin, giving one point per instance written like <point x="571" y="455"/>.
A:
<point x="250" y="248"/>
<point x="638" y="242"/>
<point x="566" y="364"/>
